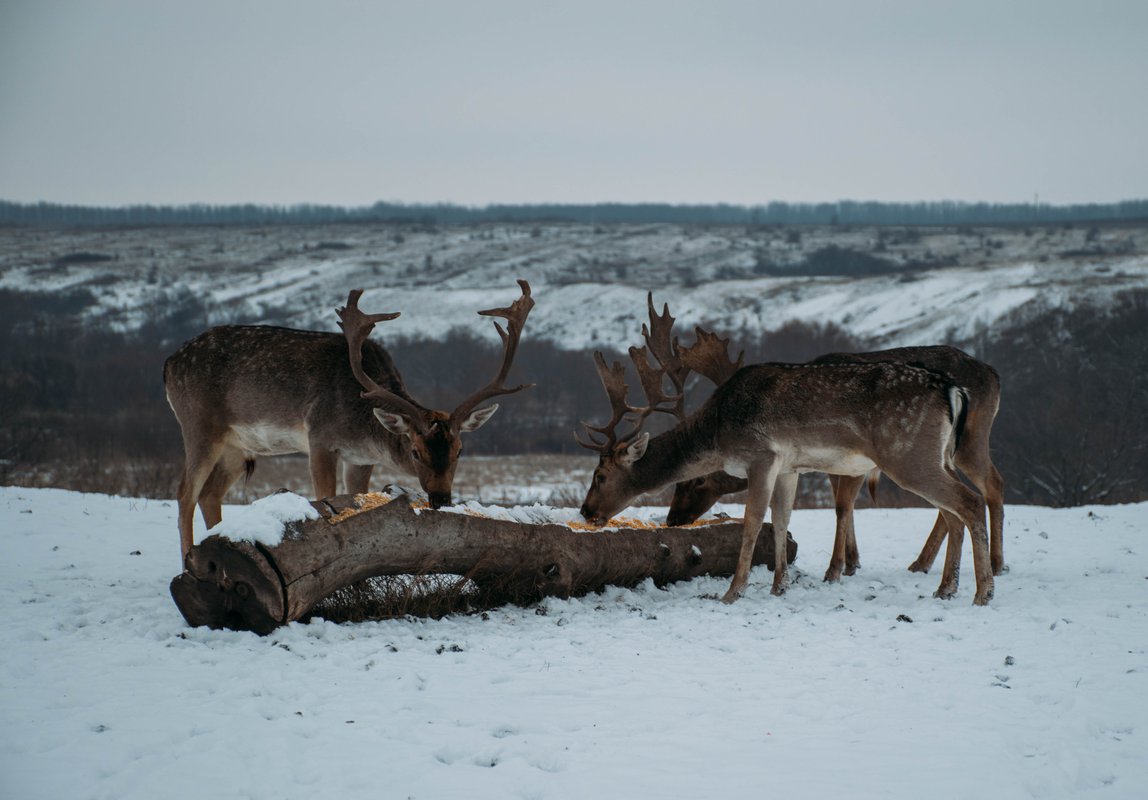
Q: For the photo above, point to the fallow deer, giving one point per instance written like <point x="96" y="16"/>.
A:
<point x="240" y="391"/>
<point x="770" y="422"/>
<point x="709" y="357"/>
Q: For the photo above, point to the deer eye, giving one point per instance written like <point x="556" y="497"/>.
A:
<point x="415" y="455"/>
<point x="599" y="479"/>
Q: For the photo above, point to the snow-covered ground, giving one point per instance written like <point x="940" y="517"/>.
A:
<point x="867" y="688"/>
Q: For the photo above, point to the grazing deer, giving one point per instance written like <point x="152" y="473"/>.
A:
<point x="240" y="391"/>
<point x="770" y="422"/>
<point x="693" y="498"/>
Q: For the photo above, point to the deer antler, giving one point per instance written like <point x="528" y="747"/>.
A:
<point x="515" y="316"/>
<point x="357" y="326"/>
<point x="664" y="347"/>
<point x="709" y="357"/>
<point x="614" y="382"/>
<point x="651" y="378"/>
<point x="660" y="343"/>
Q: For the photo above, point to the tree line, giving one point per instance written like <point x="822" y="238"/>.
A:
<point x="845" y="212"/>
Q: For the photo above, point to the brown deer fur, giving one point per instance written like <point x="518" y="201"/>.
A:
<point x="770" y="422"/>
<point x="244" y="391"/>
<point x="693" y="498"/>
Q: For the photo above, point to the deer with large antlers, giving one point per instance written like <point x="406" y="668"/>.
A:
<point x="710" y="358"/>
<point x="770" y="422"/>
<point x="240" y="391"/>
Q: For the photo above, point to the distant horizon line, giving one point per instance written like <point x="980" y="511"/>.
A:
<point x="840" y="212"/>
<point x="1034" y="203"/>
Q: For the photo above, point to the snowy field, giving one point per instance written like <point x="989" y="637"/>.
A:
<point x="590" y="282"/>
<point x="867" y="688"/>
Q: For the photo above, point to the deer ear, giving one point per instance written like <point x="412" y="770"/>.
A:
<point x="395" y="423"/>
<point x="478" y="417"/>
<point x="634" y="451"/>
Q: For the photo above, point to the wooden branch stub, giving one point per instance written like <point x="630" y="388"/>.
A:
<point x="237" y="585"/>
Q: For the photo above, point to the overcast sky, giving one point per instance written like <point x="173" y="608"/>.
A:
<point x="146" y="101"/>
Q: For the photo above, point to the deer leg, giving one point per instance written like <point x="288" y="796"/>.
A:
<point x="227" y="469"/>
<point x="199" y="461"/>
<point x="852" y="554"/>
<point x="994" y="497"/>
<point x="944" y="490"/>
<point x="974" y="518"/>
<point x="969" y="508"/>
<point x="993" y="491"/>
<point x="951" y="574"/>
<point x="324" y="468"/>
<point x="186" y="516"/>
<point x="780" y="509"/>
<point x="974" y="460"/>
<point x="840" y="534"/>
<point x="845" y="488"/>
<point x="761" y="478"/>
<point x="932" y="546"/>
<point x="357" y="477"/>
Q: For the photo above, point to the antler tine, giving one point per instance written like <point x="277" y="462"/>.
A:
<point x="515" y="315"/>
<point x="357" y="326"/>
<point x="658" y="334"/>
<point x="357" y="317"/>
<point x="651" y="380"/>
<point x="709" y="357"/>
<point x="664" y="347"/>
<point x="593" y="444"/>
<point x="614" y="382"/>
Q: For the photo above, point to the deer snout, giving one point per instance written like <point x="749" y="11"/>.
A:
<point x="439" y="499"/>
<point x="590" y="516"/>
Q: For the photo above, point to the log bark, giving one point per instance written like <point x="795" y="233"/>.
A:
<point x="243" y="586"/>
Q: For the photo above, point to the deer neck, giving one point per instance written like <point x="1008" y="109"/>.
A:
<point x="676" y="455"/>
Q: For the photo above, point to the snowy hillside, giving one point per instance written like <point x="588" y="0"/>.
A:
<point x="590" y="282"/>
<point x="868" y="689"/>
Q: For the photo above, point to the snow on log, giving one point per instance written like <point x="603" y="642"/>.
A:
<point x="258" y="581"/>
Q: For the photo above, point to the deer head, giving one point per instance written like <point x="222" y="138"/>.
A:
<point x="696" y="496"/>
<point x="612" y="484"/>
<point x="434" y="436"/>
<point x="709" y="357"/>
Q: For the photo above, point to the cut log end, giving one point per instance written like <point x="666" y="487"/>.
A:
<point x="229" y="585"/>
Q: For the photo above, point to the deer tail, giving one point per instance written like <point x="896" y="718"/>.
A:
<point x="958" y="415"/>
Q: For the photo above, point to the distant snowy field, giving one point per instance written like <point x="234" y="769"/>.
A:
<point x="590" y="282"/>
<point x="867" y="688"/>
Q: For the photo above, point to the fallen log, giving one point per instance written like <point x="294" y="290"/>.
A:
<point x="248" y="585"/>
